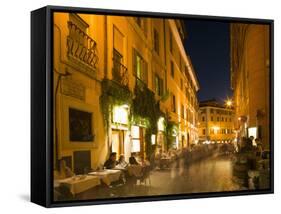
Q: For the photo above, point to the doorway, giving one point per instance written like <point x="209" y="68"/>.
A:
<point x="117" y="142"/>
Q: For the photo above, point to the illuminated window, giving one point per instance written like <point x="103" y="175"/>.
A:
<point x="160" y="124"/>
<point x="120" y="114"/>
<point x="135" y="139"/>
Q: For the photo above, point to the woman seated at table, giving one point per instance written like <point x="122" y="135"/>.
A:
<point x="121" y="162"/>
<point x="111" y="162"/>
<point x="133" y="161"/>
<point x="63" y="171"/>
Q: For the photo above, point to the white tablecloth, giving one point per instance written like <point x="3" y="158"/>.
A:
<point x="78" y="184"/>
<point x="107" y="176"/>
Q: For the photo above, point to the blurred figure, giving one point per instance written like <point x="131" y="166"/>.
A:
<point x="111" y="162"/>
<point x="63" y="171"/>
<point x="121" y="162"/>
<point x="133" y="161"/>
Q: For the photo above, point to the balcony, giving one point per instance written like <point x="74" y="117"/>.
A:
<point x="119" y="72"/>
<point x="82" y="49"/>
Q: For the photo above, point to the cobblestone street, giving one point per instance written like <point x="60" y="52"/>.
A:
<point x="210" y="175"/>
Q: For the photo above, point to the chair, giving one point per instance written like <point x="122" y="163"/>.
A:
<point x="145" y="176"/>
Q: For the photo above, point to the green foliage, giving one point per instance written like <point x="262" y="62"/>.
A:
<point x="144" y="109"/>
<point x="145" y="106"/>
<point x="171" y="130"/>
<point x="113" y="94"/>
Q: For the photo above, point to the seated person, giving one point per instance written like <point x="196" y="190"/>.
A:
<point x="133" y="161"/>
<point x="111" y="162"/>
<point x="63" y="171"/>
<point x="145" y="162"/>
<point x="121" y="162"/>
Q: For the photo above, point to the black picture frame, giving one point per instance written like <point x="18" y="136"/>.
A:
<point x="42" y="91"/>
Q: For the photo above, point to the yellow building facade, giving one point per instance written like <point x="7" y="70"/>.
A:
<point x="216" y="123"/>
<point x="250" y="80"/>
<point x="114" y="89"/>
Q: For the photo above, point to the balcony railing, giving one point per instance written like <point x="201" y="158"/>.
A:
<point x="119" y="72"/>
<point x="81" y="47"/>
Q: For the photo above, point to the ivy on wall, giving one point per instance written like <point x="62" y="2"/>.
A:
<point x="113" y="94"/>
<point x="144" y="108"/>
<point x="171" y="131"/>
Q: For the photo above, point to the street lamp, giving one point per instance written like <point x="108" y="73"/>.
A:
<point x="229" y="103"/>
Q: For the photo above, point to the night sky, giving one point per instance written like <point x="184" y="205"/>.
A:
<point x="207" y="44"/>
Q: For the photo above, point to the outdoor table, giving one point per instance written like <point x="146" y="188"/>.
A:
<point x="79" y="183"/>
<point x="107" y="176"/>
<point x="119" y="168"/>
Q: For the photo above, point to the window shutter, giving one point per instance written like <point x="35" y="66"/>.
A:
<point x="145" y="72"/>
<point x="134" y="62"/>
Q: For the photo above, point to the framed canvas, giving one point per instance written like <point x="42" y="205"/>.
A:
<point x="134" y="106"/>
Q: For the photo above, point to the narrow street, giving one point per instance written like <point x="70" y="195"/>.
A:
<point x="213" y="174"/>
<point x="209" y="175"/>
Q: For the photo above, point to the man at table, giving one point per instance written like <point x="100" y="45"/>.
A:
<point x="111" y="162"/>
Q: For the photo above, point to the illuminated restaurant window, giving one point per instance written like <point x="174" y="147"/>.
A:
<point x="135" y="139"/>
<point x="120" y="114"/>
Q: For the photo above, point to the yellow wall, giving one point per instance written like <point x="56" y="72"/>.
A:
<point x="250" y="78"/>
<point x="101" y="29"/>
<point x="213" y="128"/>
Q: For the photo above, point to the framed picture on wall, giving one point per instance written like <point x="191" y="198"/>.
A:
<point x="134" y="106"/>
